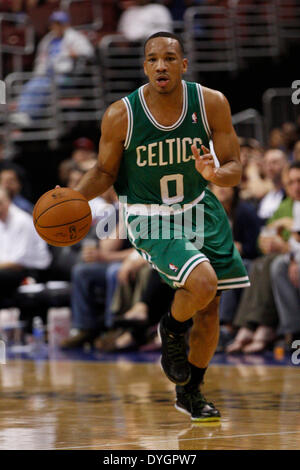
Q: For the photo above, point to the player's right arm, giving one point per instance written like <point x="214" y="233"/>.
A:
<point x="113" y="134"/>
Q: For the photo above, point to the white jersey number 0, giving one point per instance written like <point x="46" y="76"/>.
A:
<point x="164" y="189"/>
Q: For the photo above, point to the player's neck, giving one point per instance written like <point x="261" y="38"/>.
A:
<point x="172" y="100"/>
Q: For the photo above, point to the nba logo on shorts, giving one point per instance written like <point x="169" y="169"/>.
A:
<point x="194" y="118"/>
<point x="173" y="267"/>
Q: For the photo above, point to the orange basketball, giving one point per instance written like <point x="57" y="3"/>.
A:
<point x="62" y="217"/>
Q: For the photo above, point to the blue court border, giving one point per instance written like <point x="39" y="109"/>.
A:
<point x="268" y="358"/>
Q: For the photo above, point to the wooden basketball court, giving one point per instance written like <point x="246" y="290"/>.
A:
<point x="62" y="404"/>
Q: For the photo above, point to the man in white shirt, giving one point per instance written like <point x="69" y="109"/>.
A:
<point x="21" y="249"/>
<point x="274" y="162"/>
<point x="142" y="18"/>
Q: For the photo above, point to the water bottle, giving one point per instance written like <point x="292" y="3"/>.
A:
<point x="38" y="338"/>
<point x="59" y="324"/>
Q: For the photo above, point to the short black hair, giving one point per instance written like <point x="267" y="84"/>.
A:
<point x="165" y="34"/>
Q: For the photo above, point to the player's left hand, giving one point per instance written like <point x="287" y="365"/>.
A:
<point x="205" y="163"/>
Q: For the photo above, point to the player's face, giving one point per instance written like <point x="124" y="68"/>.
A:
<point x="164" y="64"/>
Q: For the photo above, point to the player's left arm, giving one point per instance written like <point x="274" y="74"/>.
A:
<point x="225" y="141"/>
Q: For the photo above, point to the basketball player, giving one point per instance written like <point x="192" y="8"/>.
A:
<point x="154" y="149"/>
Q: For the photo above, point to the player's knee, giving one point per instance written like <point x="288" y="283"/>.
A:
<point x="205" y="291"/>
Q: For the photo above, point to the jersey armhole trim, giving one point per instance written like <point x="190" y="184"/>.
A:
<point x="202" y="110"/>
<point x="130" y="123"/>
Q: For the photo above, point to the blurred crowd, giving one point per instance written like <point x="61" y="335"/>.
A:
<point x="116" y="299"/>
<point x="134" y="19"/>
<point x="60" y="46"/>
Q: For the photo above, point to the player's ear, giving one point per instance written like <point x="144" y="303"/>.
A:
<point x="184" y="65"/>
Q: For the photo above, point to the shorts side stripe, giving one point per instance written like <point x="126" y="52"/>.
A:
<point x="233" y="279"/>
<point x="190" y="269"/>
<point x="233" y="286"/>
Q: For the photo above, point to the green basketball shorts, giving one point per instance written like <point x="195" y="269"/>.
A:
<point x="174" y="241"/>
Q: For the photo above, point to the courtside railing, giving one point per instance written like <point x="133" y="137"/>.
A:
<point x="279" y="108"/>
<point x="256" y="30"/>
<point x="44" y="125"/>
<point x="16" y="39"/>
<point x="84" y="14"/>
<point x="81" y="97"/>
<point x="210" y="39"/>
<point x="121" y="66"/>
<point x="288" y="14"/>
<point x="249" y="124"/>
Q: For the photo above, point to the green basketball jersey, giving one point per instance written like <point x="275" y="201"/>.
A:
<point x="158" y="166"/>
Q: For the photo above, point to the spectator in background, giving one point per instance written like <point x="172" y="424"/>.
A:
<point x="253" y="184"/>
<point x="22" y="250"/>
<point x="257" y="315"/>
<point x="11" y="179"/>
<point x="245" y="226"/>
<point x="137" y="327"/>
<point x="296" y="151"/>
<point x="84" y="150"/>
<point x="285" y="275"/>
<point x="97" y="272"/>
<point x="275" y="140"/>
<point x="55" y="59"/>
<point x="274" y="162"/>
<point x="141" y="18"/>
<point x="132" y="277"/>
<point x="290" y="137"/>
<point x="83" y="154"/>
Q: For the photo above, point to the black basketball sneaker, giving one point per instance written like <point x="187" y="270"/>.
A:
<point x="191" y="402"/>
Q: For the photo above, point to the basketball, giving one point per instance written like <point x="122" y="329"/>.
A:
<point x="62" y="217"/>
